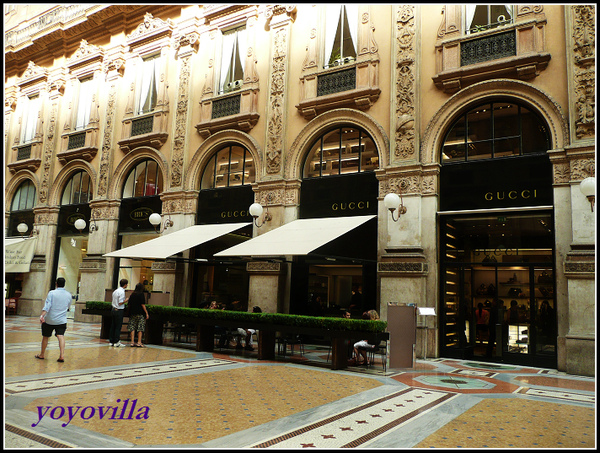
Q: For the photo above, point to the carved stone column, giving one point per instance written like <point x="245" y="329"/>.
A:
<point x="96" y="270"/>
<point x="405" y="119"/>
<point x="577" y="342"/>
<point x="188" y="45"/>
<point x="279" y="20"/>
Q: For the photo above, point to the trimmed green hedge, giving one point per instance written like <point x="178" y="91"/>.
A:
<point x="166" y="312"/>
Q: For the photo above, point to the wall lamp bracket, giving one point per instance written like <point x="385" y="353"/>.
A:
<point x="22" y="228"/>
<point x="156" y="220"/>
<point x="588" y="188"/>
<point x="394" y="203"/>
<point x="256" y="210"/>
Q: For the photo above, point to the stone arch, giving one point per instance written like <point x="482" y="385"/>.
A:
<point x="129" y="161"/>
<point x="14" y="184"/>
<point x="541" y="102"/>
<point x="295" y="160"/>
<point x="63" y="177"/>
<point x="210" y="145"/>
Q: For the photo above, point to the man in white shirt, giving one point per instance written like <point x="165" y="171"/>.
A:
<point x="117" y="313"/>
<point x="54" y="317"/>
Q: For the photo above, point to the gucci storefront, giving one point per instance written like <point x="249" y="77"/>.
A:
<point x="497" y="241"/>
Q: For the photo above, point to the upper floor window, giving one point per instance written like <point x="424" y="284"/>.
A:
<point x="233" y="58"/>
<point x="232" y="165"/>
<point x="84" y="102"/>
<point x="499" y="128"/>
<point x="144" y="180"/>
<point x="24" y="198"/>
<point x="485" y="17"/>
<point x="78" y="190"/>
<point x="341" y="34"/>
<point x="148" y="85"/>
<point x="30" y="118"/>
<point x="346" y="149"/>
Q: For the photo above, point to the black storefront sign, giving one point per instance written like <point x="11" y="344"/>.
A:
<point x="67" y="217"/>
<point x="17" y="217"/>
<point x="498" y="183"/>
<point x="135" y="212"/>
<point x="339" y="196"/>
<point x="228" y="205"/>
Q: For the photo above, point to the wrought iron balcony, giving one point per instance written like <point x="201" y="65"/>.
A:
<point x="336" y="82"/>
<point x="226" y="106"/>
<point x="491" y="47"/>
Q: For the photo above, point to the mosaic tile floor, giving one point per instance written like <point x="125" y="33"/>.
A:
<point x="163" y="396"/>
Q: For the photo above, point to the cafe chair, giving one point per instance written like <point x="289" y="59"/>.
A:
<point x="379" y="351"/>
<point x="291" y="341"/>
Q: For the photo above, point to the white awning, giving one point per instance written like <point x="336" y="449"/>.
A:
<point x="178" y="241"/>
<point x="299" y="237"/>
<point x="18" y="253"/>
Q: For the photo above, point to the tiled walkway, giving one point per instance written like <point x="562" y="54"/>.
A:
<point x="102" y="397"/>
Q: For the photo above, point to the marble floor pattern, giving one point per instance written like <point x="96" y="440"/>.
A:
<point x="175" y="397"/>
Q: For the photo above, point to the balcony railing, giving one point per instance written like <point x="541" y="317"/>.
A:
<point x="226" y="106"/>
<point x="336" y="82"/>
<point x="488" y="48"/>
<point x="60" y="15"/>
<point x="24" y="152"/>
<point x="76" y="141"/>
<point x="142" y="125"/>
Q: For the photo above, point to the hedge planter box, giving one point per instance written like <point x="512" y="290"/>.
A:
<point x="339" y="330"/>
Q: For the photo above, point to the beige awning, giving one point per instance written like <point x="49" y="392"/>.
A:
<point x="176" y="242"/>
<point x="18" y="253"/>
<point x="299" y="237"/>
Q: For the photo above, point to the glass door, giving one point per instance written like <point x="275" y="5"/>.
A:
<point x="497" y="288"/>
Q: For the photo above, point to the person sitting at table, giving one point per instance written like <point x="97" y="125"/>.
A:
<point x="220" y="330"/>
<point x="247" y="334"/>
<point x="361" y="347"/>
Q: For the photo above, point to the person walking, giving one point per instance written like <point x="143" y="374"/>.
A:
<point x="54" y="318"/>
<point x="117" y="313"/>
<point x="137" y="315"/>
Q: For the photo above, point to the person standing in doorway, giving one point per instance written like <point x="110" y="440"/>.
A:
<point x="117" y="313"/>
<point x="54" y="318"/>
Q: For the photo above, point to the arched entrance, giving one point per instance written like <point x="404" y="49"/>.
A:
<point x="497" y="236"/>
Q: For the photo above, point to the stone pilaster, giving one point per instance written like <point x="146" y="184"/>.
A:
<point x="279" y="20"/>
<point x="266" y="286"/>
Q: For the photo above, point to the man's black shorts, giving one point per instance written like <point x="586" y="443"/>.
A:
<point x="48" y="328"/>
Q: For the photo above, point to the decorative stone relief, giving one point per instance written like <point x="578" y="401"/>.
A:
<point x="151" y="25"/>
<point x="405" y="82"/>
<point x="47" y="159"/>
<point x="86" y="51"/>
<point x="584" y="38"/>
<point x="32" y="73"/>
<point x="263" y="266"/>
<point x="105" y="158"/>
<point x="275" y="129"/>
<point x="561" y="173"/>
<point x="180" y="123"/>
<point x="405" y="268"/>
<point x="582" y="168"/>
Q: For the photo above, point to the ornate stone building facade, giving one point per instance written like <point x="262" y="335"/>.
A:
<point x="482" y="117"/>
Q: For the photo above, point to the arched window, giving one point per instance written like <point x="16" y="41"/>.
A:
<point x="345" y="149"/>
<point x="24" y="198"/>
<point x="231" y="166"/>
<point x="494" y="129"/>
<point x="144" y="180"/>
<point x="78" y="190"/>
